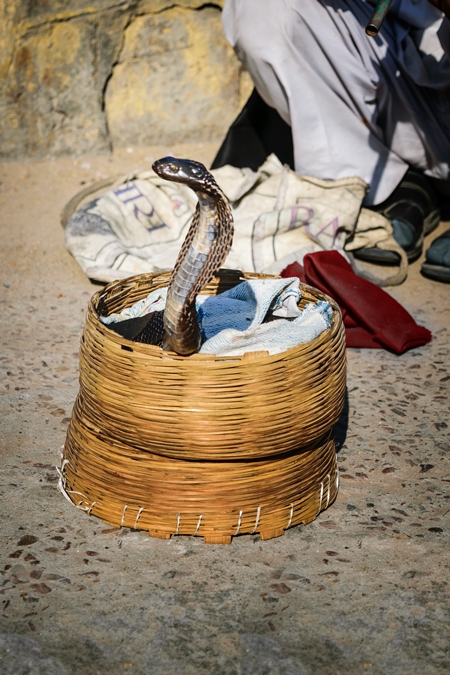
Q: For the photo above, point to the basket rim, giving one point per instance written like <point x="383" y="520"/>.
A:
<point x="252" y="357"/>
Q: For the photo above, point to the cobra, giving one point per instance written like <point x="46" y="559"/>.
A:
<point x="203" y="252"/>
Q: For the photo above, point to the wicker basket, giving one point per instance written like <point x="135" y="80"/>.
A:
<point x="204" y="445"/>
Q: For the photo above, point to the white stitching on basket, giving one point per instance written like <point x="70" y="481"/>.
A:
<point x="329" y="485"/>
<point x="291" y="516"/>
<point x="60" y="473"/>
<point x="258" y="513"/>
<point x="62" y="483"/>
<point x="123" y="515"/>
<point x="198" y="525"/>
<point x="239" y="523"/>
<point x="82" y="501"/>
<point x="178" y="523"/>
<point x="321" y="496"/>
<point x="91" y="507"/>
<point x="62" y="487"/>
<point x="337" y="479"/>
<point x="85" y="499"/>
<point x="138" y="516"/>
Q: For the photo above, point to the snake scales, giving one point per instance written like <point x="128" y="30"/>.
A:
<point x="203" y="252"/>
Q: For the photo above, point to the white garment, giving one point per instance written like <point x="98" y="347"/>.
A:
<point x="357" y="105"/>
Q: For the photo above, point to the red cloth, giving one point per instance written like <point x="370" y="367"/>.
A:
<point x="372" y="318"/>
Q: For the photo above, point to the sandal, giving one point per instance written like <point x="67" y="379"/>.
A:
<point x="437" y="259"/>
<point x="413" y="212"/>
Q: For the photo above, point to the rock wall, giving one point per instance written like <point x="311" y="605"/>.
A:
<point x="80" y="76"/>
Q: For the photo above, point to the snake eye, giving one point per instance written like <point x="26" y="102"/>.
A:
<point x="173" y="167"/>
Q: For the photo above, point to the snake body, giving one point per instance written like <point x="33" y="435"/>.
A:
<point x="203" y="252"/>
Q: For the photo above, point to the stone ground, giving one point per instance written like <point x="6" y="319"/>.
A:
<point x="363" y="589"/>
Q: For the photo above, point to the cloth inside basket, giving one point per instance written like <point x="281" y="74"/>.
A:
<point x="236" y="321"/>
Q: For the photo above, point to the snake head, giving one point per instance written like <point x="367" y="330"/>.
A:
<point x="187" y="171"/>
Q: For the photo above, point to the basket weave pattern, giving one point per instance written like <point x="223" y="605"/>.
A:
<point x="204" y="445"/>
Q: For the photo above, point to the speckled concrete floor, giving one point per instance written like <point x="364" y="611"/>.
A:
<point x="363" y="589"/>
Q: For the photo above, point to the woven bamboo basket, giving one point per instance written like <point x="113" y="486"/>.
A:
<point x="203" y="445"/>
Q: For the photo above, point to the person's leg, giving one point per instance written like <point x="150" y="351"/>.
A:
<point x="352" y="106"/>
<point x="437" y="259"/>
<point x="437" y="256"/>
<point x="349" y="104"/>
<point x="257" y="132"/>
<point x="413" y="212"/>
<point x="306" y="60"/>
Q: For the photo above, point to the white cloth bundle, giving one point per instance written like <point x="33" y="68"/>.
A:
<point x="232" y="322"/>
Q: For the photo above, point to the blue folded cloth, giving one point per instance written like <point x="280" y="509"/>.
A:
<point x="232" y="322"/>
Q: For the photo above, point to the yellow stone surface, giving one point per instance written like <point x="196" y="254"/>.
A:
<point x="54" y="52"/>
<point x="81" y="76"/>
<point x="7" y="35"/>
<point x="153" y="6"/>
<point x="178" y="79"/>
